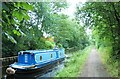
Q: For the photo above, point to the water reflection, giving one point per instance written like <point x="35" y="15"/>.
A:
<point x="39" y="75"/>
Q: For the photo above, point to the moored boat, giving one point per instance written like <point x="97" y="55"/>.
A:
<point x="30" y="61"/>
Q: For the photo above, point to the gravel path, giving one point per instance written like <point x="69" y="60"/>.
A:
<point x="93" y="66"/>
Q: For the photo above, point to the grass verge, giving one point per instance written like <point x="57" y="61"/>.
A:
<point x="111" y="65"/>
<point x="74" y="67"/>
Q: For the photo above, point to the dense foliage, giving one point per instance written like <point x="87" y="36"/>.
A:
<point x="39" y="25"/>
<point x="104" y="20"/>
<point x="13" y="14"/>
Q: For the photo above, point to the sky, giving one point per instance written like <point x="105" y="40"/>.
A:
<point x="72" y="7"/>
<point x="71" y="10"/>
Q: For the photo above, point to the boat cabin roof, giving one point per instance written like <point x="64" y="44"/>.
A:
<point x="36" y="51"/>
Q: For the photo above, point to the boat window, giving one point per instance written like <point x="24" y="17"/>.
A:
<point x="60" y="53"/>
<point x="40" y="58"/>
<point x="51" y="55"/>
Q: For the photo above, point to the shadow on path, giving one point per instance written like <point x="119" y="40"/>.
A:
<point x="93" y="66"/>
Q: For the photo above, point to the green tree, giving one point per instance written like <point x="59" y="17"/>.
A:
<point x="104" y="19"/>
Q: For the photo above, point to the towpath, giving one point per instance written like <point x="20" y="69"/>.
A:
<point x="93" y="66"/>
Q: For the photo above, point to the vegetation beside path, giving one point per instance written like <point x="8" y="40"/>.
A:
<point x="110" y="63"/>
<point x="74" y="67"/>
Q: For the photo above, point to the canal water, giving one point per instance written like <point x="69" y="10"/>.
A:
<point x="38" y="75"/>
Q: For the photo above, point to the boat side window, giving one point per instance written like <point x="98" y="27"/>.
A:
<point x="40" y="58"/>
<point x="51" y="56"/>
<point x="60" y="54"/>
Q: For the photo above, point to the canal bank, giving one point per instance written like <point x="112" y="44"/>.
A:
<point x="8" y="60"/>
<point x="75" y="64"/>
<point x="4" y="63"/>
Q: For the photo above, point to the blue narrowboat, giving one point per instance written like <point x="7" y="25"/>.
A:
<point x="34" y="60"/>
